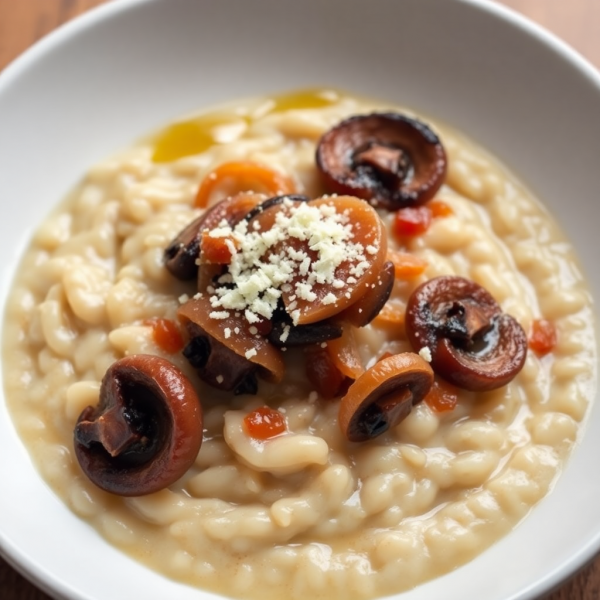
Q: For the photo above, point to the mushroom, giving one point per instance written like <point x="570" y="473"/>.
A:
<point x="285" y="334"/>
<point x="182" y="253"/>
<point x="473" y="344"/>
<point x="384" y="395"/>
<point x="354" y="274"/>
<point x="146" y="430"/>
<point x="218" y="365"/>
<point x="227" y="353"/>
<point x="274" y="201"/>
<point x="365" y="309"/>
<point x="389" y="159"/>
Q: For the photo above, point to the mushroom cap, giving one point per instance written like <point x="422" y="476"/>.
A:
<point x="146" y="430"/>
<point x="389" y="159"/>
<point x="384" y="395"/>
<point x="365" y="309"/>
<point x="367" y="230"/>
<point x="233" y="332"/>
<point x="181" y="254"/>
<point x="473" y="344"/>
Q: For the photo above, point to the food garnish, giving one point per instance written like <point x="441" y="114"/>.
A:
<point x="542" y="337"/>
<point x="264" y="423"/>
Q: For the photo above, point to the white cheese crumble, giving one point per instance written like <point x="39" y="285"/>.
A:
<point x="219" y="314"/>
<point x="250" y="353"/>
<point x="265" y="264"/>
<point x="425" y="353"/>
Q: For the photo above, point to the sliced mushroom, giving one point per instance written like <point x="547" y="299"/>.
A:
<point x="182" y="254"/>
<point x="389" y="159"/>
<point x="473" y="344"/>
<point x="271" y="202"/>
<point x="285" y="334"/>
<point x="365" y="309"/>
<point x="354" y="274"/>
<point x="248" y="353"/>
<point x="146" y="430"/>
<point x="218" y="365"/>
<point x="384" y="395"/>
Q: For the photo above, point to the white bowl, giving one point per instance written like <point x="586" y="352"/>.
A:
<point x="122" y="70"/>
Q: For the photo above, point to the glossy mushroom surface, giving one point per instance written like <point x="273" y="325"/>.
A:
<point x="248" y="349"/>
<point x="146" y="430"/>
<point x="365" y="309"/>
<point x="389" y="159"/>
<point x="181" y="255"/>
<point x="384" y="395"/>
<point x="357" y="273"/>
<point x="473" y="344"/>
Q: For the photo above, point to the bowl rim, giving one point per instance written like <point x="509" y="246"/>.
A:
<point x="17" y="557"/>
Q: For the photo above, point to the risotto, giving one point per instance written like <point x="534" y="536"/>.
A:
<point x="287" y="495"/>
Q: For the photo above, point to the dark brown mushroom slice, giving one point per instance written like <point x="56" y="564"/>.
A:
<point x="248" y="350"/>
<point x="285" y="334"/>
<point x="473" y="344"/>
<point x="182" y="254"/>
<point x="364" y="310"/>
<point x="389" y="159"/>
<point x="384" y="395"/>
<point x="146" y="430"/>
<point x="274" y="201"/>
<point x="218" y="365"/>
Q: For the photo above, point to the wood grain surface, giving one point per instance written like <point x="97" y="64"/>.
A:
<point x="577" y="22"/>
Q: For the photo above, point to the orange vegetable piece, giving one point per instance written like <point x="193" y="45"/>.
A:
<point x="442" y="396"/>
<point x="344" y="354"/>
<point x="216" y="250"/>
<point x="264" y="423"/>
<point x="323" y="374"/>
<point x="542" y="337"/>
<point x="412" y="221"/>
<point x="242" y="176"/>
<point x="439" y="208"/>
<point x="390" y="314"/>
<point x="406" y="265"/>
<point x="166" y="334"/>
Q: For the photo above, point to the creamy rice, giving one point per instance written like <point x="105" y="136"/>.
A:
<point x="306" y="512"/>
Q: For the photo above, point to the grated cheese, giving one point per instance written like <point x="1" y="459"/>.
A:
<point x="265" y="264"/>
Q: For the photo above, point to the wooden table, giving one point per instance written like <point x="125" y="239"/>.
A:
<point x="22" y="22"/>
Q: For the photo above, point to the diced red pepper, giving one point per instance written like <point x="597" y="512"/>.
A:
<point x="412" y="221"/>
<point x="166" y="334"/>
<point x="442" y="396"/>
<point x="542" y="337"/>
<point x="264" y="423"/>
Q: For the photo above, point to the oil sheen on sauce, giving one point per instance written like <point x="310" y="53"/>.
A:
<point x="198" y="134"/>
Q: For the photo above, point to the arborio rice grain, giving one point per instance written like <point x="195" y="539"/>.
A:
<point x="306" y="513"/>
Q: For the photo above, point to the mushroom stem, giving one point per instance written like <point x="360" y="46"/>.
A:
<point x="111" y="429"/>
